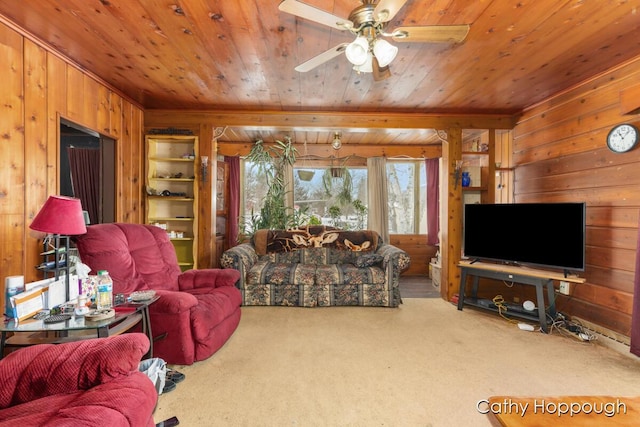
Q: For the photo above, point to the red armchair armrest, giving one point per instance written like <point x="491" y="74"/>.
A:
<point x="207" y="278"/>
<point x="173" y="302"/>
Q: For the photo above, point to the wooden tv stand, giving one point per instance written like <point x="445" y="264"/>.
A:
<point x="541" y="279"/>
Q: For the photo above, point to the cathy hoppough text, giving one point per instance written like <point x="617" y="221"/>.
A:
<point x="558" y="407"/>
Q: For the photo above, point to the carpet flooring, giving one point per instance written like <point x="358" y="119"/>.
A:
<point x="422" y="364"/>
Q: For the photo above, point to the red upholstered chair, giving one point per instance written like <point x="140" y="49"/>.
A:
<point x="197" y="311"/>
<point x="93" y="382"/>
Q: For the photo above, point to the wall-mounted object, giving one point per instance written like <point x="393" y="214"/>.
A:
<point x="622" y="138"/>
<point x="204" y="167"/>
<point x="457" y="172"/>
<point x="336" y="143"/>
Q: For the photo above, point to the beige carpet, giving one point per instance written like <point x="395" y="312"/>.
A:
<point x="424" y="364"/>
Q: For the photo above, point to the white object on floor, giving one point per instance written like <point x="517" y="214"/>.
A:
<point x="526" y="327"/>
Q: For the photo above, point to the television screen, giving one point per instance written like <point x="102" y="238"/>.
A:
<point x="541" y="234"/>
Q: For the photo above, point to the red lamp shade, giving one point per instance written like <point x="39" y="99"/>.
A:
<point x="60" y="215"/>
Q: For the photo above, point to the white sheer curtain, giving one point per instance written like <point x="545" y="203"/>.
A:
<point x="378" y="211"/>
<point x="288" y="184"/>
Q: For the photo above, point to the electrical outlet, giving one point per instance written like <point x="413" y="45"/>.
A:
<point x="564" y="288"/>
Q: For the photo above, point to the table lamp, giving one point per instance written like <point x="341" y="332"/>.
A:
<point x="61" y="217"/>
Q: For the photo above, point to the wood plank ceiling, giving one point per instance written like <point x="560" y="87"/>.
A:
<point x="240" y="56"/>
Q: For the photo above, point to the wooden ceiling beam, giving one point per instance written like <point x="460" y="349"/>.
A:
<point x="301" y="120"/>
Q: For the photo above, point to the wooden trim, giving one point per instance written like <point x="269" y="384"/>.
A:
<point x="331" y="121"/>
<point x="414" y="151"/>
<point x="630" y="100"/>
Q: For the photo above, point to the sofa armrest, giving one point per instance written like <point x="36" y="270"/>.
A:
<point x="207" y="278"/>
<point x="48" y="369"/>
<point x="395" y="261"/>
<point x="241" y="257"/>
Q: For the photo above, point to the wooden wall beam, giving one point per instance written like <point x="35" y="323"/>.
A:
<point x="451" y="208"/>
<point x="415" y="151"/>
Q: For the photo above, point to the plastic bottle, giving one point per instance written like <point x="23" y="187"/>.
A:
<point x="104" y="293"/>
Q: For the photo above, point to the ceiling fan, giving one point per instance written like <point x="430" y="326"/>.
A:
<point x="370" y="52"/>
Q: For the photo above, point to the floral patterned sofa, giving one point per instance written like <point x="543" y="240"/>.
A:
<point x="317" y="266"/>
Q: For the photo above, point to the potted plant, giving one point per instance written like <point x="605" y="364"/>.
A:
<point x="361" y="212"/>
<point x="272" y="161"/>
<point x="306" y="175"/>
<point x="334" y="213"/>
<point x="337" y="180"/>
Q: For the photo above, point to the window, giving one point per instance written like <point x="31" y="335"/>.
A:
<point x="320" y="198"/>
<point x="406" y="196"/>
<point x="253" y="188"/>
<point x="325" y="197"/>
<point x="406" y="181"/>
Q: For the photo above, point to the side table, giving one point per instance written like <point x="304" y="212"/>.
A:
<point x="31" y="331"/>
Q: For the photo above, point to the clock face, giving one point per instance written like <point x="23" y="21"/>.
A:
<point x="622" y="138"/>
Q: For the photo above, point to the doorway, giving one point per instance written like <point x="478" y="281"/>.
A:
<point x="87" y="170"/>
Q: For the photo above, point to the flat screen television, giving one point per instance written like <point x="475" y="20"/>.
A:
<point x="539" y="234"/>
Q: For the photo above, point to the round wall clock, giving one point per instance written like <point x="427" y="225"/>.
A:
<point x="622" y="138"/>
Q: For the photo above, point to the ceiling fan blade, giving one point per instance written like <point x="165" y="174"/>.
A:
<point x="387" y="9"/>
<point x="312" y="13"/>
<point x="322" y="58"/>
<point x="432" y="33"/>
<point x="380" y="73"/>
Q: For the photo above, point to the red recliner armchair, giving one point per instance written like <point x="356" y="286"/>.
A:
<point x="198" y="310"/>
<point x="93" y="382"/>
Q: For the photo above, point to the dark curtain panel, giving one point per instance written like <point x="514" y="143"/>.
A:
<point x="234" y="198"/>
<point x="84" y="165"/>
<point x="433" y="200"/>
<point x="635" y="314"/>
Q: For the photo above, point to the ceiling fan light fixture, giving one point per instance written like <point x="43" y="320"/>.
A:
<point x="367" y="67"/>
<point x="357" y="51"/>
<point x="384" y="51"/>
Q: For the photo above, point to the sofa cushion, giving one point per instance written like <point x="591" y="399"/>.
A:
<point x="282" y="274"/>
<point x="341" y="256"/>
<point x="348" y="274"/>
<point x="283" y="257"/>
<point x="316" y="256"/>
<point x="311" y="275"/>
<point x="368" y="260"/>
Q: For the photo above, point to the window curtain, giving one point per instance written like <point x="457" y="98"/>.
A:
<point x="635" y="313"/>
<point x="288" y="185"/>
<point x="432" y="167"/>
<point x="234" y="199"/>
<point x="378" y="209"/>
<point x="84" y="165"/>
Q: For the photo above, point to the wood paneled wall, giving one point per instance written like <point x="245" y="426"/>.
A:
<point x="560" y="155"/>
<point x="419" y="251"/>
<point x="39" y="87"/>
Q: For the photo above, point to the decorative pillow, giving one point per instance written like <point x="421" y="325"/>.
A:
<point x="368" y="260"/>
